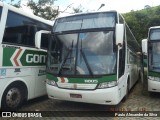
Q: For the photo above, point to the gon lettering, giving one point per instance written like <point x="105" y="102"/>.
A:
<point x="35" y="58"/>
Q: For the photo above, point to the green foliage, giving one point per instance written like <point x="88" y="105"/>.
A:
<point x="140" y="21"/>
<point x="13" y="2"/>
<point x="43" y="8"/>
<point x="79" y="9"/>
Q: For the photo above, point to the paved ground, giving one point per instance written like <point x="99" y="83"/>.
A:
<point x="138" y="100"/>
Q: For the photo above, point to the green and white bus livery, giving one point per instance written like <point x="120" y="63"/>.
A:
<point x="22" y="65"/>
<point x="151" y="47"/>
<point x="92" y="58"/>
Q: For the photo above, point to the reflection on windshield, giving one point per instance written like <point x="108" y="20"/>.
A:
<point x="88" y="53"/>
<point x="155" y="57"/>
<point x="98" y="20"/>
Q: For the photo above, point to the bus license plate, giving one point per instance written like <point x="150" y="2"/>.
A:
<point x="75" y="95"/>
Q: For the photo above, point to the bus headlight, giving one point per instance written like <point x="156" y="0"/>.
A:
<point x="107" y="84"/>
<point x="51" y="82"/>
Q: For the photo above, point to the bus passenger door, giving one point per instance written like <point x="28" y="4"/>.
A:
<point x="41" y="70"/>
<point x="40" y="77"/>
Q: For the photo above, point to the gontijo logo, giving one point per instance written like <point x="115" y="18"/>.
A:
<point x="35" y="58"/>
<point x="23" y="57"/>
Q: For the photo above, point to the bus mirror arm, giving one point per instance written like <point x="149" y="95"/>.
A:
<point x="120" y="46"/>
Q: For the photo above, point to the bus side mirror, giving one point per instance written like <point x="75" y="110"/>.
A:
<point x="144" y="46"/>
<point x="119" y="34"/>
<point x="38" y="37"/>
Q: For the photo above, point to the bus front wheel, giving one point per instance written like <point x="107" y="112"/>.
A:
<point x="12" y="97"/>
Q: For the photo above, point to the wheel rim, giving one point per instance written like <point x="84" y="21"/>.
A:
<point x="13" y="97"/>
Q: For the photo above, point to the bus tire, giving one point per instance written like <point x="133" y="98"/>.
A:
<point x="127" y="91"/>
<point x="13" y="97"/>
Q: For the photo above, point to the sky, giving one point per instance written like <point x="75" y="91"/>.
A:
<point x="122" y="6"/>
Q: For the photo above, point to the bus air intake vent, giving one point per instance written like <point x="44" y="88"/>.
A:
<point x="77" y="86"/>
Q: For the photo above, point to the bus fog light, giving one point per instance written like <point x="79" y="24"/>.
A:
<point x="107" y="84"/>
<point x="51" y="82"/>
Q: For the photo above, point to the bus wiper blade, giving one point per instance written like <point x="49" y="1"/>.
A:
<point x="64" y="61"/>
<point x="71" y="51"/>
<point x="86" y="61"/>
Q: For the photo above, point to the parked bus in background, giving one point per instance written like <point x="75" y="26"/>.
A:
<point x="22" y="66"/>
<point x="151" y="48"/>
<point x="92" y="58"/>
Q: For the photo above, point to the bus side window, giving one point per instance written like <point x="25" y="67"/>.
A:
<point x="20" y="30"/>
<point x="23" y="35"/>
<point x="0" y="12"/>
<point x="132" y="58"/>
<point x="44" y="41"/>
<point x="122" y="61"/>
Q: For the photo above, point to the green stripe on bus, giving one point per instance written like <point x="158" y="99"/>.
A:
<point x="23" y="57"/>
<point x="51" y="77"/>
<point x="154" y="74"/>
<point x="108" y="78"/>
<point x="7" y="54"/>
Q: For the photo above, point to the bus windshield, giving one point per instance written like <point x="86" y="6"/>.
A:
<point x="155" y="34"/>
<point x="85" y="21"/>
<point x="155" y="56"/>
<point x="84" y="53"/>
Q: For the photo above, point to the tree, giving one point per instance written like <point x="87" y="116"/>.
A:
<point x="147" y="6"/>
<point x="43" y="8"/>
<point x="13" y="2"/>
<point x="140" y="21"/>
<point x="79" y="9"/>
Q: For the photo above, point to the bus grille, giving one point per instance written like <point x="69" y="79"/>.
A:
<point x="77" y="86"/>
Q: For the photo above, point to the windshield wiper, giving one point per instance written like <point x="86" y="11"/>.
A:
<point x="65" y="59"/>
<point x="86" y="61"/>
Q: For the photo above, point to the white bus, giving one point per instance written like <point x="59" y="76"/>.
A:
<point x="151" y="49"/>
<point x="22" y="65"/>
<point x="92" y="58"/>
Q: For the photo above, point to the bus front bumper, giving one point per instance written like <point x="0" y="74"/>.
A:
<point x="108" y="96"/>
<point x="153" y="86"/>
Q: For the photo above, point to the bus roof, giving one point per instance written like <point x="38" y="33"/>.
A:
<point x="154" y="27"/>
<point x="85" y="13"/>
<point x="21" y="12"/>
